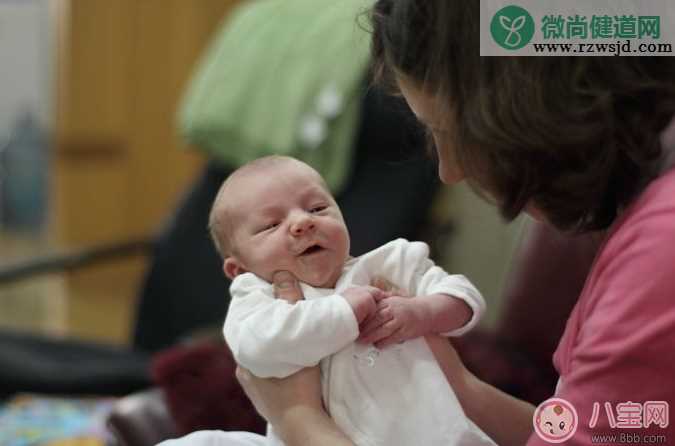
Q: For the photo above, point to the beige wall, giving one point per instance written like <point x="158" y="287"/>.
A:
<point x="481" y="246"/>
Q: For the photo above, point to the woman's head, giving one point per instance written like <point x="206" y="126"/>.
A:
<point x="574" y="137"/>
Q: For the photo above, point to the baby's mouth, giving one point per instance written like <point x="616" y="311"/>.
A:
<point x="311" y="250"/>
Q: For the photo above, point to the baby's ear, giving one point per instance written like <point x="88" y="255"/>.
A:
<point x="232" y="267"/>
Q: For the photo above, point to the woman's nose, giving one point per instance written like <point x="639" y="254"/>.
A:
<point x="302" y="225"/>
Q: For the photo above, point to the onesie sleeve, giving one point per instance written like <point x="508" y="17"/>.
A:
<point x="273" y="338"/>
<point x="409" y="265"/>
<point x="436" y="281"/>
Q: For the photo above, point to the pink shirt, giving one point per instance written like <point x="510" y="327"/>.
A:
<point x="619" y="342"/>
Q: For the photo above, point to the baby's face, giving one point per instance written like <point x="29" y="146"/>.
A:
<point x="282" y="218"/>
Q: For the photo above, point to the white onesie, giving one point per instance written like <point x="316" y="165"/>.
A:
<point x="397" y="396"/>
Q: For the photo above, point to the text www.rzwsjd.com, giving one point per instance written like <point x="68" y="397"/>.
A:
<point x="615" y="48"/>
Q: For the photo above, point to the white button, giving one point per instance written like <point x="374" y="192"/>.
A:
<point x="329" y="102"/>
<point x="312" y="131"/>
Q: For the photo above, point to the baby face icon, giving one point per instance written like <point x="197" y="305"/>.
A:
<point x="555" y="420"/>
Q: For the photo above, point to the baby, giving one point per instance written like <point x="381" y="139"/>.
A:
<point x="276" y="214"/>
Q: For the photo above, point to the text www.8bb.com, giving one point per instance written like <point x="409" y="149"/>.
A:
<point x="628" y="438"/>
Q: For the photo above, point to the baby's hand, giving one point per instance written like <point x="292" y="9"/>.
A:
<point x="395" y="320"/>
<point x="363" y="300"/>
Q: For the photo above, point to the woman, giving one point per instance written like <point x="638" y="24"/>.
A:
<point x="584" y="144"/>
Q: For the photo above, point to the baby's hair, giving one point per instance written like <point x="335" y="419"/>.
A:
<point x="218" y="226"/>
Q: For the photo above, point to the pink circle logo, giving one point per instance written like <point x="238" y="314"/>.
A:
<point x="555" y="420"/>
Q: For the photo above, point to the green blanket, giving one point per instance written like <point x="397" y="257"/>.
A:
<point x="282" y="77"/>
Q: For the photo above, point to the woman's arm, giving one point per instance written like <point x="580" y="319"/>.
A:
<point x="507" y="420"/>
<point x="312" y="427"/>
<point x="293" y="407"/>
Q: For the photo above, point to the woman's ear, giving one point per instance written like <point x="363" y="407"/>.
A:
<point x="233" y="267"/>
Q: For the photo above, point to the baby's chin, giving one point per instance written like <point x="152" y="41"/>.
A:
<point x="319" y="279"/>
<point x="319" y="275"/>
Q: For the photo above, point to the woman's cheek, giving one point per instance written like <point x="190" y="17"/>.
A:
<point x="449" y="174"/>
<point x="448" y="170"/>
<point x="533" y="211"/>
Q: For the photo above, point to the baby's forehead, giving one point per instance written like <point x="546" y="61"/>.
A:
<point x="277" y="167"/>
<point x="252" y="184"/>
<point x="275" y="173"/>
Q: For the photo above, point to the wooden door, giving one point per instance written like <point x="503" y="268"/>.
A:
<point x="120" y="167"/>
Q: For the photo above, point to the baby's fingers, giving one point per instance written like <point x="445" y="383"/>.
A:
<point x="395" y="338"/>
<point x="378" y="294"/>
<point x="382" y="331"/>
<point x="375" y="320"/>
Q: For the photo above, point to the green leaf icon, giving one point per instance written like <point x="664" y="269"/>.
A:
<point x="512" y="27"/>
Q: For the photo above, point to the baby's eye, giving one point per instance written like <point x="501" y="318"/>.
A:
<point x="269" y="226"/>
<point x="316" y="209"/>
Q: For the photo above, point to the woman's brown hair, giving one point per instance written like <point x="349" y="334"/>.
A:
<point x="578" y="137"/>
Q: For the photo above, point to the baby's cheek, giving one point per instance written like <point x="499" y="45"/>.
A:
<point x="341" y="237"/>
<point x="271" y="263"/>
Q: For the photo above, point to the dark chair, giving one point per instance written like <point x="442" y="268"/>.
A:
<point x="142" y="419"/>
<point x="34" y="363"/>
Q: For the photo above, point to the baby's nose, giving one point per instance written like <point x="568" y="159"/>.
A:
<point x="302" y="225"/>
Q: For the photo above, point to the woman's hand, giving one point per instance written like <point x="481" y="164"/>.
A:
<point x="292" y="405"/>
<point x="273" y="398"/>
<point x="286" y="287"/>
